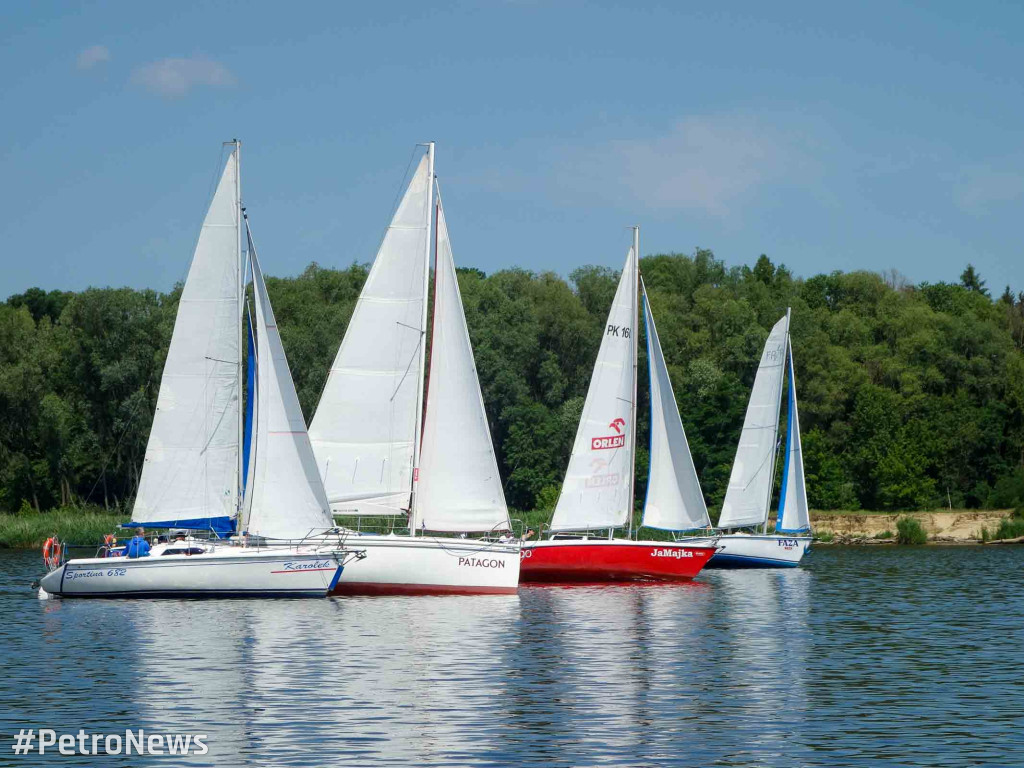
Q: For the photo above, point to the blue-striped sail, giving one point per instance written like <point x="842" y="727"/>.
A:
<point x="793" y="516"/>
<point x="250" y="395"/>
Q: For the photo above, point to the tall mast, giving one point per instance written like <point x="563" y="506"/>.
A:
<point x="423" y="343"/>
<point x="634" y="341"/>
<point x="778" y="414"/>
<point x="241" y="312"/>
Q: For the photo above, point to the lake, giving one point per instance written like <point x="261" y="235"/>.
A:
<point x="865" y="656"/>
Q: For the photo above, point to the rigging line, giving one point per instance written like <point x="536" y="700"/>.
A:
<point x="407" y="368"/>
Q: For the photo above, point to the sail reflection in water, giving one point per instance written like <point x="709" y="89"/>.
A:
<point x="868" y="656"/>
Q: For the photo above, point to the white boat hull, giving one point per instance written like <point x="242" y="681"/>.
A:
<point x="224" y="572"/>
<point x="741" y="550"/>
<point x="403" y="565"/>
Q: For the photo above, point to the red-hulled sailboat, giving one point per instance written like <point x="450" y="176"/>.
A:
<point x="597" y="494"/>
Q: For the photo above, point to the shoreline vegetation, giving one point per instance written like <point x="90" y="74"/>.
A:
<point x="911" y="395"/>
<point x="86" y="528"/>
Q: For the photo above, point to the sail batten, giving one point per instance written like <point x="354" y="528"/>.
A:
<point x="596" y="492"/>
<point x="748" y="495"/>
<point x="674" y="499"/>
<point x="366" y="417"/>
<point x="459" y="486"/>
<point x="190" y="476"/>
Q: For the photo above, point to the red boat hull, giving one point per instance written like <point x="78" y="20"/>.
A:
<point x="598" y="560"/>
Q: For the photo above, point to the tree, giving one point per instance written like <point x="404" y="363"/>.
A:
<point x="972" y="281"/>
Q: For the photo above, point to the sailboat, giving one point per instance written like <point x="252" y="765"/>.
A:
<point x="751" y="483"/>
<point x="597" y="494"/>
<point x="207" y="469"/>
<point x="377" y="451"/>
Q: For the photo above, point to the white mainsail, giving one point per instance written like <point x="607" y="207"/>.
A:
<point x="287" y="499"/>
<point x="459" y="485"/>
<point x="597" y="491"/>
<point x="674" y="499"/>
<point x="190" y="474"/>
<point x="794" y="514"/>
<point x="748" y="495"/>
<point x="364" y="427"/>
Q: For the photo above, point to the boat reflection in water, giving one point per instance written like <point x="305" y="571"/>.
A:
<point x="622" y="674"/>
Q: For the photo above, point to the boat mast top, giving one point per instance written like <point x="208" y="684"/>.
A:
<point x="418" y="430"/>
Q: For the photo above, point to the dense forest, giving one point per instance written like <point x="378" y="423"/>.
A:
<point x="911" y="396"/>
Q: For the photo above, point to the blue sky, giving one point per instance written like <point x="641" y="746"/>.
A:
<point x="870" y="135"/>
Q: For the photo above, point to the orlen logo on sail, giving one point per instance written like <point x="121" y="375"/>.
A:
<point x="611" y="441"/>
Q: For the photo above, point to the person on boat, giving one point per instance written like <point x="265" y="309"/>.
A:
<point x="138" y="546"/>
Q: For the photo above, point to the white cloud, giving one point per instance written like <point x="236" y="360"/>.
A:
<point x="709" y="164"/>
<point x="176" y="77"/>
<point x="981" y="188"/>
<point x="93" y="55"/>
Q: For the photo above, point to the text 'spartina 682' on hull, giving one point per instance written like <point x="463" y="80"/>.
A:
<point x="597" y="494"/>
<point x="224" y="571"/>
<point x="382" y="453"/>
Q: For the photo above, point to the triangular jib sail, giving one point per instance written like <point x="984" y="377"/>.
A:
<point x="190" y="477"/>
<point x="459" y="486"/>
<point x="286" y="499"/>
<point x="674" y="499"/>
<point x="748" y="495"/>
<point x="794" y="514"/>
<point x="597" y="491"/>
<point x="365" y="424"/>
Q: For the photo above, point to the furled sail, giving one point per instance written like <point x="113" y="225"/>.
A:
<point x="459" y="486"/>
<point x="250" y="401"/>
<point x="286" y="499"/>
<point x="794" y="515"/>
<point x="190" y="475"/>
<point x="674" y="499"/>
<point x="363" y="429"/>
<point x="597" y="489"/>
<point x="749" y="492"/>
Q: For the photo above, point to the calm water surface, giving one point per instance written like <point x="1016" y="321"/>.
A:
<point x="872" y="656"/>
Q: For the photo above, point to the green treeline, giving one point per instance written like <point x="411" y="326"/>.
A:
<point x="910" y="396"/>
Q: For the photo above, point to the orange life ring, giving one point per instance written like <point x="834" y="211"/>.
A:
<point x="51" y="551"/>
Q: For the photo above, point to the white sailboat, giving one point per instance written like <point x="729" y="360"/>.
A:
<point x="751" y="483"/>
<point x="597" y="494"/>
<point x="195" y="475"/>
<point x="376" y="452"/>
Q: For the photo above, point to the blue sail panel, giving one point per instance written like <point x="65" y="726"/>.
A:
<point x="222" y="526"/>
<point x="250" y="391"/>
<point x="779" y="524"/>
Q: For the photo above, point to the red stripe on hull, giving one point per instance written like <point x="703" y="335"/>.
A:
<point x="610" y="562"/>
<point x="377" y="588"/>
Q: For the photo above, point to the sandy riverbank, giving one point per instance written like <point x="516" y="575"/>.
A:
<point x="943" y="526"/>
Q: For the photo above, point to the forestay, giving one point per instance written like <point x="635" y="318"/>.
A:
<point x="190" y="474"/>
<point x="748" y="495"/>
<point x="459" y="486"/>
<point x="363" y="429"/>
<point x="286" y="498"/>
<point x="674" y="499"/>
<point x="597" y="488"/>
<point x="793" y="516"/>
